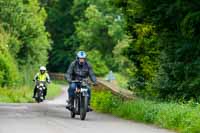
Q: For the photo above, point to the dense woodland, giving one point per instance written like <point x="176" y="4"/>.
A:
<point x="155" y="44"/>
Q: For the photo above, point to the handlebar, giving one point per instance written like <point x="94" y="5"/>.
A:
<point x="80" y="81"/>
<point x="36" y="81"/>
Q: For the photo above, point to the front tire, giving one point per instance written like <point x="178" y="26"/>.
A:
<point x="37" y="100"/>
<point x="83" y="107"/>
<point x="38" y="96"/>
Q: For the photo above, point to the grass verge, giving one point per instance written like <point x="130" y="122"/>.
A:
<point x="183" y="118"/>
<point x="54" y="90"/>
<point x="24" y="94"/>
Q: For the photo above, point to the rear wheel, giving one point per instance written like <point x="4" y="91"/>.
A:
<point x="83" y="107"/>
<point x="37" y="100"/>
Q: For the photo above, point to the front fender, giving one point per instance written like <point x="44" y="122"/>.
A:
<point x="84" y="91"/>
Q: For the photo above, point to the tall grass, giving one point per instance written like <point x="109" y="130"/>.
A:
<point x="184" y="118"/>
<point x="54" y="89"/>
<point x="24" y="94"/>
<point x="21" y="95"/>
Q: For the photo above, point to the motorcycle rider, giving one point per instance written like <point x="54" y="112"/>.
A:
<point x="78" y="70"/>
<point x="42" y="76"/>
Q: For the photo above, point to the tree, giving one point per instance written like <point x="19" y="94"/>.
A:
<point x="27" y="41"/>
<point x="61" y="27"/>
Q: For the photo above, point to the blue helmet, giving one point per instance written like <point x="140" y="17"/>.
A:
<point x="81" y="54"/>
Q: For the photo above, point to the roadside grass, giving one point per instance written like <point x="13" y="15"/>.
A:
<point x="62" y="82"/>
<point x="54" y="89"/>
<point x="24" y="94"/>
<point x="21" y="95"/>
<point x="183" y="118"/>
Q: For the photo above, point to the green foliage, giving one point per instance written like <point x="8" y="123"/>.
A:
<point x="122" y="81"/>
<point x="60" y="25"/>
<point x="24" y="20"/>
<point x="24" y="94"/>
<point x="98" y="64"/>
<point x="154" y="44"/>
<point x="165" y="47"/>
<point x="101" y="28"/>
<point x="24" y="40"/>
<point x="144" y="52"/>
<point x="104" y="102"/>
<point x="189" y="25"/>
<point x="178" y="76"/>
<point x="90" y="25"/>
<point x="54" y="90"/>
<point x="9" y="75"/>
<point x="183" y="118"/>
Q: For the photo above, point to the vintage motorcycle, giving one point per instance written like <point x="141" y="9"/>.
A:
<point x="40" y="91"/>
<point x="81" y="99"/>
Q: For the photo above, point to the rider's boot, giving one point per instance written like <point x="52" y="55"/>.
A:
<point x="45" y="93"/>
<point x="34" y="92"/>
<point x="89" y="108"/>
<point x="69" y="103"/>
<point x="33" y="96"/>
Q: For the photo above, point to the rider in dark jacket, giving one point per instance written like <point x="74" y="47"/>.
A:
<point x="78" y="70"/>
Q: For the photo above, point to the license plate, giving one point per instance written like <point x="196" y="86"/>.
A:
<point x="82" y="90"/>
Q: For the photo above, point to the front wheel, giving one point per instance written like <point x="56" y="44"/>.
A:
<point x="38" y="99"/>
<point x="83" y="107"/>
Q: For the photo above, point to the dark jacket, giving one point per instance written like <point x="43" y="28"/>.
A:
<point x="79" y="72"/>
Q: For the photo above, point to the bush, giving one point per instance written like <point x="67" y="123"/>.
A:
<point x="8" y="71"/>
<point x="104" y="102"/>
<point x="9" y="75"/>
<point x="16" y="95"/>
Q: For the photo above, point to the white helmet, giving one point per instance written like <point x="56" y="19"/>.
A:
<point x="43" y="68"/>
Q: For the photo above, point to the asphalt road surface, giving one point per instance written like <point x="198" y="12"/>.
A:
<point x="52" y="117"/>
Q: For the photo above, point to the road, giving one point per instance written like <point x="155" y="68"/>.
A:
<point x="52" y="117"/>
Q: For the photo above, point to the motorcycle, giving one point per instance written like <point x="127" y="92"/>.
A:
<point x="80" y="101"/>
<point x="40" y="91"/>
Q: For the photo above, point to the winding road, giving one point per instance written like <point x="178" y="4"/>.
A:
<point x="52" y="117"/>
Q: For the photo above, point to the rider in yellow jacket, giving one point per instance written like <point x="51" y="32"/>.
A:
<point x="41" y="76"/>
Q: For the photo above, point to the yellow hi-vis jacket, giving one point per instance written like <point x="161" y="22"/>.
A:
<point x="42" y="77"/>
